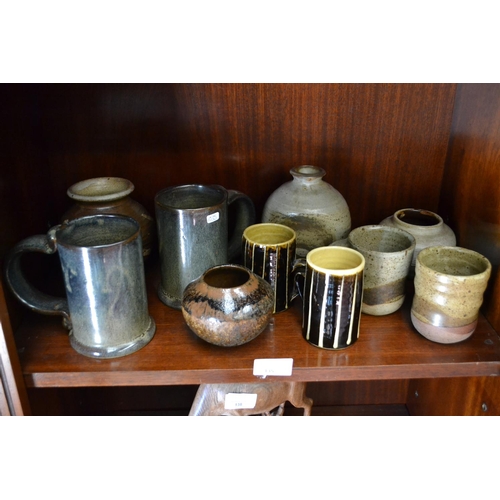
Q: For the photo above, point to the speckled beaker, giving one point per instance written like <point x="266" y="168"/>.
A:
<point x="449" y="287"/>
<point x="388" y="253"/>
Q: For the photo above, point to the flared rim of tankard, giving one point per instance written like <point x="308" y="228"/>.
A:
<point x="94" y="231"/>
<point x="191" y="197"/>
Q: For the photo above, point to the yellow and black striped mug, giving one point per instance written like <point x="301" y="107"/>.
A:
<point x="332" y="294"/>
<point x="269" y="251"/>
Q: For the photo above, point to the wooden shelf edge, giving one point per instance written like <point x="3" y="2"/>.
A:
<point x="196" y="377"/>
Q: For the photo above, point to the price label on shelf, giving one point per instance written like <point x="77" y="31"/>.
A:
<point x="240" y="401"/>
<point x="273" y="366"/>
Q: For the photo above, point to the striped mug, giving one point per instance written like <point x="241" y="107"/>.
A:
<point x="269" y="251"/>
<point x="332" y="295"/>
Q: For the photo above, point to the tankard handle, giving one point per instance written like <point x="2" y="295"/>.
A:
<point x="299" y="270"/>
<point x="245" y="216"/>
<point x="22" y="289"/>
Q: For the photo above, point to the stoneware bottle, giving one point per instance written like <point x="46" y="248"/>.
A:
<point x="110" y="195"/>
<point x="228" y="305"/>
<point x="427" y="228"/>
<point x="313" y="208"/>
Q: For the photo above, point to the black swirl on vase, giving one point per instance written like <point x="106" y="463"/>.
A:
<point x="228" y="305"/>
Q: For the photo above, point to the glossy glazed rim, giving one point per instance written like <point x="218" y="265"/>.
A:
<point x="344" y="270"/>
<point x="235" y="267"/>
<point x="103" y="187"/>
<point x="247" y="234"/>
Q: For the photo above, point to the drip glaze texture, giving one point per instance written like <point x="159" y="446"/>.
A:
<point x="228" y="305"/>
<point x="314" y="209"/>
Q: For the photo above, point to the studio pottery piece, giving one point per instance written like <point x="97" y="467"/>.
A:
<point x="314" y="209"/>
<point x="105" y="307"/>
<point x="194" y="233"/>
<point x="269" y="252"/>
<point x="449" y="287"/>
<point x="388" y="253"/>
<point x="427" y="228"/>
<point x="228" y="305"/>
<point x="331" y="292"/>
<point x="111" y="195"/>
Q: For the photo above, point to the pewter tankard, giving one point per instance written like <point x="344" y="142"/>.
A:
<point x="193" y="233"/>
<point x="105" y="307"/>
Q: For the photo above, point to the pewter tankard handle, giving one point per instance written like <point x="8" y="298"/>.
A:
<point x="245" y="216"/>
<point x="22" y="289"/>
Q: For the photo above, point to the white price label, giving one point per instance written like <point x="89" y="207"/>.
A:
<point x="276" y="367"/>
<point x="240" y="401"/>
<point x="213" y="217"/>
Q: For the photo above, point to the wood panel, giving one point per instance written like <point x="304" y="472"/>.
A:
<point x="471" y="190"/>
<point x="376" y="392"/>
<point x="380" y="144"/>
<point x="456" y="396"/>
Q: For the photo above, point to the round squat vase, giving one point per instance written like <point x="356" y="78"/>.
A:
<point x="425" y="226"/>
<point x="228" y="305"/>
<point x="314" y="209"/>
<point x="110" y="195"/>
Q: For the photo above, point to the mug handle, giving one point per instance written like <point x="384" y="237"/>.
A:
<point x="299" y="270"/>
<point x="22" y="289"/>
<point x="245" y="216"/>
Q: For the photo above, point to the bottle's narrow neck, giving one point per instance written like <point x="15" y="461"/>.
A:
<point x="308" y="174"/>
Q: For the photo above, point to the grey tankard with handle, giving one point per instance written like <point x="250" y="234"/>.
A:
<point x="105" y="307"/>
<point x="193" y="233"/>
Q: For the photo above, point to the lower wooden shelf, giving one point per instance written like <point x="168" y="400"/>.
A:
<point x="388" y="348"/>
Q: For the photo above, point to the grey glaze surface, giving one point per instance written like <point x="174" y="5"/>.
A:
<point x="105" y="307"/>
<point x="193" y="233"/>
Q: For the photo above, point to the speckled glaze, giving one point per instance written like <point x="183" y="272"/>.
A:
<point x="110" y="195"/>
<point x="228" y="305"/>
<point x="269" y="251"/>
<point x="388" y="253"/>
<point x="449" y="287"/>
<point x="314" y="209"/>
<point x="427" y="228"/>
<point x="105" y="307"/>
<point x="193" y="233"/>
<point x="332" y="293"/>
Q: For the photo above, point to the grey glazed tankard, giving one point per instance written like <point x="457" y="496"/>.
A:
<point x="106" y="306"/>
<point x="193" y="234"/>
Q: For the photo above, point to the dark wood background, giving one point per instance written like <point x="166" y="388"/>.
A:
<point x="383" y="146"/>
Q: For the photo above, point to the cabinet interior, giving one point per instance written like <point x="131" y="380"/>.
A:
<point x="383" y="146"/>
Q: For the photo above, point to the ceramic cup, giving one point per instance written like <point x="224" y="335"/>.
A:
<point x="269" y="251"/>
<point x="106" y="306"/>
<point x="332" y="292"/>
<point x="449" y="287"/>
<point x="193" y="233"/>
<point x="388" y="253"/>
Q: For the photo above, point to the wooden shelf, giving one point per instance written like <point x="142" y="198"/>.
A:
<point x="388" y="348"/>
